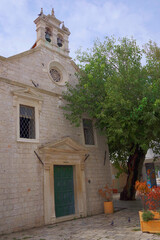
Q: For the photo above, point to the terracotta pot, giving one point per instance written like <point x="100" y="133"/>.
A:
<point x="152" y="226"/>
<point x="108" y="207"/>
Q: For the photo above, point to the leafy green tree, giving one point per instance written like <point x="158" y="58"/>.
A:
<point x="123" y="96"/>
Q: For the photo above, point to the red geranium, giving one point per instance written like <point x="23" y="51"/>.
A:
<point x="153" y="199"/>
<point x="149" y="196"/>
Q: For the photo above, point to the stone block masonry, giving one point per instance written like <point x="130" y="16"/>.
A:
<point x="25" y="80"/>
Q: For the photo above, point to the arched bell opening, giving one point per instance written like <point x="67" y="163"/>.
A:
<point x="60" y="40"/>
<point x="48" y="34"/>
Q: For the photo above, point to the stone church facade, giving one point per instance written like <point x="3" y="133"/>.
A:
<point x="50" y="171"/>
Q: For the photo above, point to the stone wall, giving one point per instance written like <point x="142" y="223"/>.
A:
<point x="21" y="173"/>
<point x="118" y="183"/>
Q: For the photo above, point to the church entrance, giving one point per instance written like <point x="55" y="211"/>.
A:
<point x="64" y="180"/>
<point x="64" y="190"/>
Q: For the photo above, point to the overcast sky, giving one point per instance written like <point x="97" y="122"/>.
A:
<point x="86" y="20"/>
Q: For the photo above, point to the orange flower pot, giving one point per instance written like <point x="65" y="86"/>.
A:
<point x="152" y="226"/>
<point x="108" y="207"/>
<point x="156" y="215"/>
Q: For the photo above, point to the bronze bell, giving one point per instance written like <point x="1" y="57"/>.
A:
<point x="59" y="42"/>
<point x="48" y="37"/>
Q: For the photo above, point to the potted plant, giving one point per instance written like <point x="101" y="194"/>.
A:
<point x="150" y="216"/>
<point x="106" y="193"/>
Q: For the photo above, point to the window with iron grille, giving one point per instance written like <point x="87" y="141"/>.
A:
<point x="88" y="132"/>
<point x="27" y="122"/>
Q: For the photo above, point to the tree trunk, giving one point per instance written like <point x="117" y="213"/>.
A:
<point x="135" y="164"/>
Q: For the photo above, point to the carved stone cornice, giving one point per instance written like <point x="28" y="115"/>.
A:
<point x="63" y="151"/>
<point x="29" y="94"/>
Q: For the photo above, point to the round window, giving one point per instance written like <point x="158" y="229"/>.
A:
<point x="55" y="75"/>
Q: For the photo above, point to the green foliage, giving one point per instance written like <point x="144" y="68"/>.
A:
<point x="121" y="166"/>
<point x="120" y="94"/>
<point x="147" y="215"/>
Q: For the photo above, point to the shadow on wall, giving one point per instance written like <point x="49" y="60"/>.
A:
<point x="118" y="183"/>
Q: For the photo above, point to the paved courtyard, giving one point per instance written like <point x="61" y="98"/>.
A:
<point x="123" y="224"/>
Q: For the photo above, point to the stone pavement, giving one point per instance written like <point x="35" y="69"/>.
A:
<point x="123" y="224"/>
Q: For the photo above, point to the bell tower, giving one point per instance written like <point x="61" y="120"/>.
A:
<point x="52" y="33"/>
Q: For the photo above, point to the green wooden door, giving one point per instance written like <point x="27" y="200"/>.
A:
<point x="63" y="190"/>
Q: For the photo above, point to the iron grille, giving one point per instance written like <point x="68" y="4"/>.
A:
<point x="88" y="132"/>
<point x="55" y="75"/>
<point x="27" y="122"/>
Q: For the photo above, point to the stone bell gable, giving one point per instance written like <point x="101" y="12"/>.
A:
<point x="52" y="33"/>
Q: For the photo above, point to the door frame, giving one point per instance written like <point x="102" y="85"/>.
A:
<point x="63" y="152"/>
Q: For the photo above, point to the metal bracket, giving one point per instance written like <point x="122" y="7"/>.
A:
<point x="38" y="158"/>
<point x="86" y="156"/>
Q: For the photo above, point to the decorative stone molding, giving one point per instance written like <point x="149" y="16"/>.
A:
<point x="63" y="152"/>
<point x="30" y="98"/>
<point x="82" y="166"/>
<point x="28" y="94"/>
